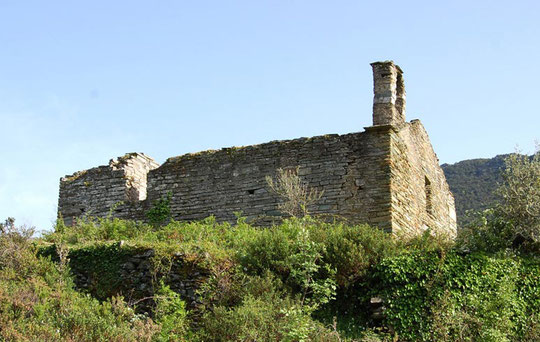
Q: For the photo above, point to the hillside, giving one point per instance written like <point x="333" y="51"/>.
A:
<point x="473" y="183"/>
<point x="112" y="280"/>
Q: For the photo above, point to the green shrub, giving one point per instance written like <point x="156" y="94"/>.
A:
<point x="171" y="314"/>
<point x="264" y="313"/>
<point x="38" y="302"/>
<point x="91" y="229"/>
<point x="487" y="232"/>
<point x="160" y="211"/>
<point x="458" y="297"/>
<point x="279" y="283"/>
<point x="350" y="250"/>
<point x="353" y="250"/>
<point x="290" y="252"/>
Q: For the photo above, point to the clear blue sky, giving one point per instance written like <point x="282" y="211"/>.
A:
<point x="82" y="82"/>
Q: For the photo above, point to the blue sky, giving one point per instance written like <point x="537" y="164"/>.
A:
<point x="83" y="82"/>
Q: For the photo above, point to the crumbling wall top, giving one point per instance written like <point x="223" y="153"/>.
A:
<point x="129" y="159"/>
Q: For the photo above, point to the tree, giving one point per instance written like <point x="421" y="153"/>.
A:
<point x="514" y="223"/>
<point x="520" y="195"/>
<point x="296" y="195"/>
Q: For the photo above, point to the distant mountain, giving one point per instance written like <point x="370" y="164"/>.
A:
<point x="473" y="183"/>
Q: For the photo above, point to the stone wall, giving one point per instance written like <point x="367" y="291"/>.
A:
<point x="387" y="176"/>
<point x="111" y="270"/>
<point x="115" y="189"/>
<point x="420" y="195"/>
<point x="350" y="170"/>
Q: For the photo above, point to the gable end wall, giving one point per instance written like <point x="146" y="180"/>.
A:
<point x="421" y="197"/>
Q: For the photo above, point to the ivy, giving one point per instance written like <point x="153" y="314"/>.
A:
<point x="160" y="211"/>
<point x="487" y="298"/>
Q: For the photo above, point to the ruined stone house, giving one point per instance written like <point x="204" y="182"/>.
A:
<point x="387" y="175"/>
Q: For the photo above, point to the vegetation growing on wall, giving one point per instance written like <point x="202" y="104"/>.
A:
<point x="296" y="195"/>
<point x="160" y="211"/>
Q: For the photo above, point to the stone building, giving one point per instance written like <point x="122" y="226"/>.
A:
<point x="387" y="175"/>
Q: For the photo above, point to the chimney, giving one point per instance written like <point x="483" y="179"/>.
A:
<point x="389" y="94"/>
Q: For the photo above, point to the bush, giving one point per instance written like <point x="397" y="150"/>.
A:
<point x="295" y="194"/>
<point x="353" y="250"/>
<point x="349" y="250"/>
<point x="171" y="314"/>
<point x="488" y="232"/>
<point x="160" y="211"/>
<point x="90" y="229"/>
<point x="456" y="297"/>
<point x="279" y="283"/>
<point x="38" y="302"/>
<point x="265" y="313"/>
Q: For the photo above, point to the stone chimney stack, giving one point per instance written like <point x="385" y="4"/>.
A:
<point x="389" y="94"/>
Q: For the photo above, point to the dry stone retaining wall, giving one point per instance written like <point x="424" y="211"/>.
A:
<point x="137" y="278"/>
